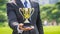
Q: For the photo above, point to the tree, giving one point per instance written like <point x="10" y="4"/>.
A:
<point x="51" y="12"/>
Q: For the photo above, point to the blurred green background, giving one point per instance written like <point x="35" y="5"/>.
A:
<point x="49" y="13"/>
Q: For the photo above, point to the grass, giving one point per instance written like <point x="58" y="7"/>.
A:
<point x="51" y="29"/>
<point x="5" y="30"/>
<point x="47" y="30"/>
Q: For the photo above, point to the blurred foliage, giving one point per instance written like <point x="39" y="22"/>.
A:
<point x="51" y="12"/>
<point x="2" y="2"/>
<point x="3" y="15"/>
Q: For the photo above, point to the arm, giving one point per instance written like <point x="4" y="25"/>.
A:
<point x="38" y="22"/>
<point x="13" y="23"/>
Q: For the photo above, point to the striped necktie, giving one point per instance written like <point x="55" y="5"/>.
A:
<point x="25" y="3"/>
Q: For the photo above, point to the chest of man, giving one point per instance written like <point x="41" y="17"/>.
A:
<point x="20" y="17"/>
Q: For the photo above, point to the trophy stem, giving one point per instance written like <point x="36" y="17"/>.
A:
<point x="26" y="21"/>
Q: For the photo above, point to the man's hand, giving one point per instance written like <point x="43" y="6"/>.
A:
<point x="21" y="27"/>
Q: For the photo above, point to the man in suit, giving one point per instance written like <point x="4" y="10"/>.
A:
<point x="16" y="20"/>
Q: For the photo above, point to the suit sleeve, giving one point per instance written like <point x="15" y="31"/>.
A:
<point x="39" y="22"/>
<point x="13" y="23"/>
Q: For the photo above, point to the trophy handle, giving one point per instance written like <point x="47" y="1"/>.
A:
<point x="32" y="10"/>
<point x="21" y="9"/>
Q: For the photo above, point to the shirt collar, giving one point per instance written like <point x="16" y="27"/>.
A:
<point x="24" y="1"/>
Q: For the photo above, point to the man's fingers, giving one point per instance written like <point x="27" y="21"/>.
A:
<point x="25" y="29"/>
<point x="28" y="28"/>
<point x="21" y="25"/>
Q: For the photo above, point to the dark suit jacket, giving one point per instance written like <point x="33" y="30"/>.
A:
<point x="14" y="17"/>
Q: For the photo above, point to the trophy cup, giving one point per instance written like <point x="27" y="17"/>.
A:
<point x="27" y="13"/>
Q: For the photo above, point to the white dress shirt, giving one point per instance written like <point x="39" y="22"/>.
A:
<point x="28" y="6"/>
<point x="28" y="3"/>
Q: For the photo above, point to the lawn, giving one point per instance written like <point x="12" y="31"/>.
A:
<point x="5" y="30"/>
<point x="47" y="30"/>
<point x="51" y="29"/>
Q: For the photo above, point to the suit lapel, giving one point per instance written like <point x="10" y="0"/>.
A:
<point x="31" y="4"/>
<point x="19" y="4"/>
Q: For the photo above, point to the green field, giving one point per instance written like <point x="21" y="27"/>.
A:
<point x="51" y="29"/>
<point x="47" y="30"/>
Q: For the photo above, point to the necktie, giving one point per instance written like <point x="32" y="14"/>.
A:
<point x="25" y="3"/>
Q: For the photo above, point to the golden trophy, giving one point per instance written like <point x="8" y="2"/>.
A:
<point x="27" y="13"/>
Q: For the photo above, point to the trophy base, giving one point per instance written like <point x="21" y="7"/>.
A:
<point x="28" y="25"/>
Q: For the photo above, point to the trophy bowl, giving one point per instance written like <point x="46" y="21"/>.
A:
<point x="26" y="13"/>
